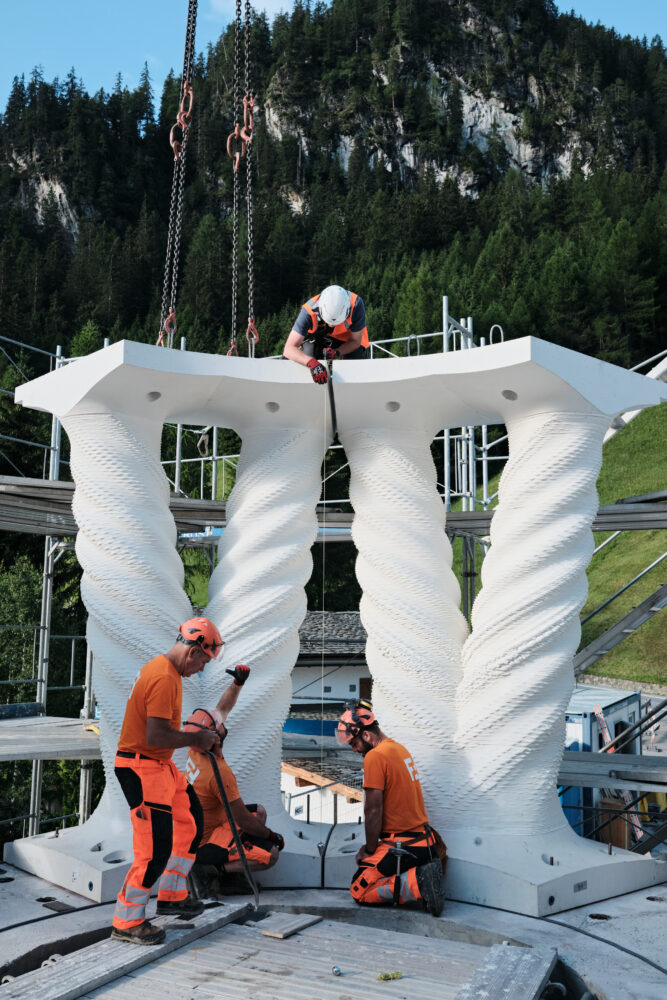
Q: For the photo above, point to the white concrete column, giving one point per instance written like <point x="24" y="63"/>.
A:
<point x="411" y="598"/>
<point x="132" y="583"/>
<point x="517" y="663"/>
<point x="257" y="595"/>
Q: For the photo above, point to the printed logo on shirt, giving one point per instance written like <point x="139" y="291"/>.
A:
<point x="411" y="768"/>
<point x="191" y="771"/>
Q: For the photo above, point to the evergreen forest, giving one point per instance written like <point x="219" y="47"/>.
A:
<point x="496" y="151"/>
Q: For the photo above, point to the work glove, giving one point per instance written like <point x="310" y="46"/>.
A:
<point x="240" y="674"/>
<point x="276" y="838"/>
<point x="331" y="354"/>
<point x="318" y="371"/>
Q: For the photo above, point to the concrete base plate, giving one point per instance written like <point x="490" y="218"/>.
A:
<point x="91" y="860"/>
<point x="544" y="874"/>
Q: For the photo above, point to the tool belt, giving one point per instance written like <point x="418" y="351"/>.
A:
<point x="135" y="756"/>
<point x="409" y="837"/>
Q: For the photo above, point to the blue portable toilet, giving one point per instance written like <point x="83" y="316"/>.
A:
<point x="620" y="709"/>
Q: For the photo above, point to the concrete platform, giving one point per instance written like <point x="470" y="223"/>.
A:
<point x="616" y="947"/>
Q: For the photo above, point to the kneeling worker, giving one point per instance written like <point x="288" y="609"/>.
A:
<point x="166" y="816"/>
<point x="394" y="814"/>
<point x="330" y="325"/>
<point x="217" y="853"/>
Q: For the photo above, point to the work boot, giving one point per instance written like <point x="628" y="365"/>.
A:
<point x="200" y="881"/>
<point x="429" y="880"/>
<point x="187" y="907"/>
<point x="143" y="933"/>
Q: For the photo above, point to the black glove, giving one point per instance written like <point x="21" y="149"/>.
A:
<point x="331" y="354"/>
<point x="318" y="371"/>
<point x="240" y="674"/>
<point x="276" y="838"/>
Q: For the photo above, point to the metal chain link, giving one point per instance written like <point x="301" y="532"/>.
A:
<point x="236" y="180"/>
<point x="251" y="334"/>
<point x="243" y="136"/>
<point x="170" y="283"/>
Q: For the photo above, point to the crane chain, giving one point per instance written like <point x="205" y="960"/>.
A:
<point x="236" y="158"/>
<point x="252" y="334"/>
<point x="243" y="136"/>
<point x="168" y="323"/>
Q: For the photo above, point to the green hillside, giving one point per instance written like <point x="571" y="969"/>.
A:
<point x="634" y="462"/>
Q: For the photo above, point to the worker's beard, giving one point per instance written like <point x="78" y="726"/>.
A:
<point x="222" y="732"/>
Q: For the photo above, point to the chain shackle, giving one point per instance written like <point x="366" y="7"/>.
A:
<point x="236" y="155"/>
<point x="183" y="120"/>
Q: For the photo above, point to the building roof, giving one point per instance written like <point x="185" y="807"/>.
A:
<point x="337" y="632"/>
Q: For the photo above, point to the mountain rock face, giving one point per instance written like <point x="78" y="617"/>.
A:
<point x="452" y="85"/>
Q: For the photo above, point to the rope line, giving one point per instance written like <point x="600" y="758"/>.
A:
<point x="324" y="547"/>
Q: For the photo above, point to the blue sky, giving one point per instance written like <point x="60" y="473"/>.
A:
<point x="101" y="38"/>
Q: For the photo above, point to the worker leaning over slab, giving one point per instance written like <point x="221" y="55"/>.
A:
<point x="217" y="856"/>
<point x="330" y="325"/>
<point x="400" y="860"/>
<point x="166" y="815"/>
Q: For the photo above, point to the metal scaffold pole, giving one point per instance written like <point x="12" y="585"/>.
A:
<point x="86" y="780"/>
<point x="50" y="545"/>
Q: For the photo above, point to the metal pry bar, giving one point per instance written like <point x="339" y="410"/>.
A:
<point x="234" y="828"/>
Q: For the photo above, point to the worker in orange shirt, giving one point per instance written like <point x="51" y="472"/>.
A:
<point x="217" y="856"/>
<point x="330" y="325"/>
<point x="166" y="816"/>
<point x="398" y="863"/>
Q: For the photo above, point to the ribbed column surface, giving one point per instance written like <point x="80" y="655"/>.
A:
<point x="517" y="663"/>
<point x="257" y="597"/>
<point x="411" y="598"/>
<point x="132" y="584"/>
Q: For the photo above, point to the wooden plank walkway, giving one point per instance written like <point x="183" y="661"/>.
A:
<point x="40" y="506"/>
<point x="238" y="963"/>
<point x="75" y="975"/>
<point x="51" y="738"/>
<point x="48" y="738"/>
<point x="511" y="974"/>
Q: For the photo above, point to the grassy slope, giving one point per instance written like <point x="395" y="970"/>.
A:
<point x="634" y="462"/>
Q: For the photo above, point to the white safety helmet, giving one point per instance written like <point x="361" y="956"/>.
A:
<point x="334" y="305"/>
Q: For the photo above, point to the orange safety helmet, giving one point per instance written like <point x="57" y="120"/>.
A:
<point x="357" y="717"/>
<point x="202" y="718"/>
<point x="203" y="633"/>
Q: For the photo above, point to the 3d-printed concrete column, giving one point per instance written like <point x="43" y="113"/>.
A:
<point x="132" y="582"/>
<point x="257" y="597"/>
<point x="515" y="672"/>
<point x="517" y="663"/>
<point x="410" y="606"/>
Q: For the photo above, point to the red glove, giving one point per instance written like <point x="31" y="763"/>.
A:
<point x="240" y="674"/>
<point x="276" y="838"/>
<point x="330" y="353"/>
<point x="318" y="371"/>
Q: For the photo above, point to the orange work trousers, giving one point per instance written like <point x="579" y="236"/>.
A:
<point x="167" y="824"/>
<point x="376" y="881"/>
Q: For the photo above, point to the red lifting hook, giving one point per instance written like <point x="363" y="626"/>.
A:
<point x="252" y="333"/>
